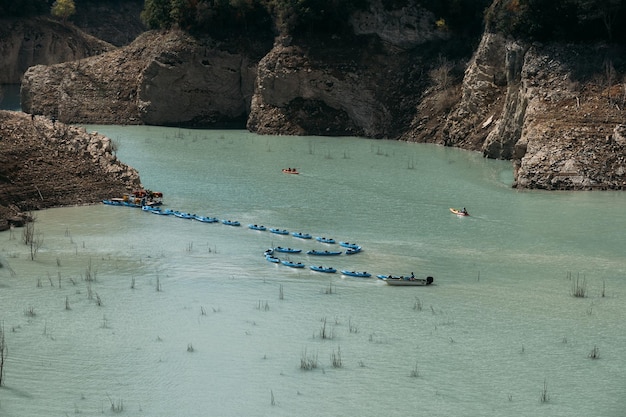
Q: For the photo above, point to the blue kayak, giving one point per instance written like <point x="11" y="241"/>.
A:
<point x="325" y="239"/>
<point x="327" y="269"/>
<point x="293" y="264"/>
<point x="324" y="252"/>
<point x="384" y="277"/>
<point x="272" y="259"/>
<point x="356" y="274"/>
<point x="165" y="212"/>
<point x="279" y="231"/>
<point x="301" y="235"/>
<point x="183" y="215"/>
<point x="205" y="219"/>
<point x="112" y="202"/>
<point x="257" y="227"/>
<point x="287" y="250"/>
<point x="352" y="251"/>
<point x="349" y="245"/>
<point x="231" y="222"/>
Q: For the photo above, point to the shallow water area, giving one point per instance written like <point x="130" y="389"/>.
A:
<point x="123" y="310"/>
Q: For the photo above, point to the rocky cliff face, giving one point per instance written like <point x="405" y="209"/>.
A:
<point x="196" y="84"/>
<point x="555" y="110"/>
<point x="296" y="94"/>
<point x="482" y="95"/>
<point x="45" y="164"/>
<point x="41" y="41"/>
<point x="572" y="134"/>
<point x="162" y="78"/>
<point x="368" y="86"/>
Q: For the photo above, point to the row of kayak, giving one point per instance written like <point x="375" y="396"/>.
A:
<point x="350" y="248"/>
<point x="269" y="256"/>
<point x="392" y="280"/>
<point x="316" y="252"/>
<point x="190" y="216"/>
<point x="317" y="268"/>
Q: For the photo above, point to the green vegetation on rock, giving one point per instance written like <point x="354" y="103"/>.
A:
<point x="63" y="9"/>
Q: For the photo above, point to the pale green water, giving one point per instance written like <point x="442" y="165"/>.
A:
<point x="500" y="321"/>
<point x="10" y="97"/>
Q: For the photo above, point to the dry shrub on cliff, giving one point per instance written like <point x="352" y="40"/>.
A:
<point x="445" y="100"/>
<point x="441" y="75"/>
<point x="443" y="81"/>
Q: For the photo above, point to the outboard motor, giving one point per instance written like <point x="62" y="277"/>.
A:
<point x="429" y="280"/>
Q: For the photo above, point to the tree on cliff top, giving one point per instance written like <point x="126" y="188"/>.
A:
<point x="156" y="14"/>
<point x="63" y="9"/>
<point x="214" y="17"/>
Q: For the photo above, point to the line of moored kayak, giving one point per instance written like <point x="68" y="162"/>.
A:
<point x="350" y="248"/>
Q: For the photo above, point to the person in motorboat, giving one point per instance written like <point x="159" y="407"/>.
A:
<point x="464" y="211"/>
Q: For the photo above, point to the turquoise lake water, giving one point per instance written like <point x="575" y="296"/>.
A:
<point x="161" y="316"/>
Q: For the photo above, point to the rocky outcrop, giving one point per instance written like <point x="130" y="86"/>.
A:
<point x="41" y="41"/>
<point x="45" y="164"/>
<point x="572" y="132"/>
<point x="506" y="131"/>
<point x="335" y="90"/>
<point x="484" y="85"/>
<point x="368" y="86"/>
<point x="295" y="94"/>
<point x="162" y="78"/>
<point x="549" y="108"/>
<point x="196" y="84"/>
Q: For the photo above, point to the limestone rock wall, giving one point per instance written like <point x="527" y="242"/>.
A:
<point x="551" y="109"/>
<point x="162" y="78"/>
<point x="572" y="132"/>
<point x="339" y="87"/>
<point x="482" y="95"/>
<point x="196" y="85"/>
<point x="41" y="41"/>
<point x="506" y="131"/>
<point x="296" y="95"/>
